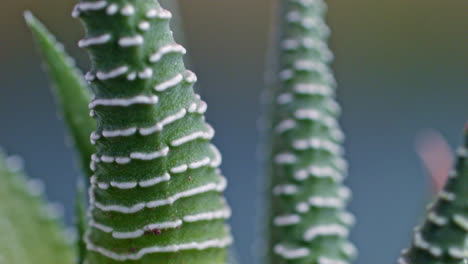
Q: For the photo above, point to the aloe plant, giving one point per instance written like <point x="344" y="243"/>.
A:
<point x="443" y="237"/>
<point x="307" y="221"/>
<point x="155" y="192"/>
<point x="30" y="229"/>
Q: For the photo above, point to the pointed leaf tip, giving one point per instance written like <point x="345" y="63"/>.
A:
<point x="28" y="17"/>
<point x="69" y="87"/>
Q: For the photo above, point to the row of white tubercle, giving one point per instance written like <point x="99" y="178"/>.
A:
<point x="330" y="106"/>
<point x="308" y="144"/>
<point x="133" y="156"/>
<point x="306" y="65"/>
<point x="113" y="9"/>
<point x="199" y="134"/>
<point x="307" y="89"/>
<point x="140" y="99"/>
<point x="312" y="233"/>
<point x="147" y="73"/>
<point x="212" y="243"/>
<point x="420" y="242"/>
<point x="213" y="162"/>
<point x="309" y="43"/>
<point x="134" y="184"/>
<point x="223" y="213"/>
<point x="309" y="114"/>
<point x="199" y="108"/>
<point x="209" y="187"/>
<point x="336" y="175"/>
<point x="312" y="115"/>
<point x="315" y="171"/>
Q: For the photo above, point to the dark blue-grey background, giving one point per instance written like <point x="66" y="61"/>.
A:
<point x="401" y="67"/>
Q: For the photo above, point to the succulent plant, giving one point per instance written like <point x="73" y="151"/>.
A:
<point x="155" y="192"/>
<point x="443" y="237"/>
<point x="308" y="222"/>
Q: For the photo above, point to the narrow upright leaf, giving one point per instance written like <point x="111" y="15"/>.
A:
<point x="80" y="222"/>
<point x="30" y="232"/>
<point x="155" y="196"/>
<point x="70" y="89"/>
<point x="443" y="237"/>
<point x="305" y="166"/>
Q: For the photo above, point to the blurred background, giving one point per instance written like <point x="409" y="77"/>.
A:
<point x="401" y="67"/>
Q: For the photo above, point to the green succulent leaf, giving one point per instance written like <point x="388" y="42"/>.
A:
<point x="307" y="220"/>
<point x="30" y="230"/>
<point x="70" y="89"/>
<point x="155" y="196"/>
<point x="81" y="222"/>
<point x="443" y="236"/>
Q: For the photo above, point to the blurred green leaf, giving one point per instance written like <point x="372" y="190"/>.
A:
<point x="80" y="221"/>
<point x="70" y="89"/>
<point x="30" y="231"/>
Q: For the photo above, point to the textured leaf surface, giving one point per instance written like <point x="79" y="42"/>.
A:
<point x="30" y="232"/>
<point x="155" y="196"/>
<point x="443" y="237"/>
<point x="70" y="89"/>
<point x="307" y="222"/>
